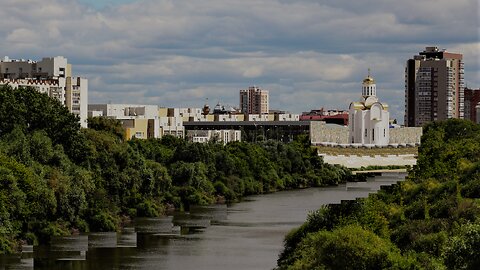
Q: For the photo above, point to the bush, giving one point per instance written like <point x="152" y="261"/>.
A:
<point x="104" y="222"/>
<point x="349" y="247"/>
<point x="462" y="248"/>
<point x="6" y="245"/>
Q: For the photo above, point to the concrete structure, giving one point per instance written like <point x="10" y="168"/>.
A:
<point x="374" y="160"/>
<point x="321" y="132"/>
<point x="52" y="76"/>
<point x="434" y="87"/>
<point x="368" y="118"/>
<point x="254" y="101"/>
<point x="224" y="136"/>
<point x="405" y="135"/>
<point x="472" y="99"/>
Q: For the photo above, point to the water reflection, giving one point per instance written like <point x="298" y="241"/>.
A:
<point x="246" y="235"/>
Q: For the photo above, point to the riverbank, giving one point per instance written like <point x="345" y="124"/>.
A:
<point x="58" y="179"/>
<point x="243" y="236"/>
<point x="430" y="221"/>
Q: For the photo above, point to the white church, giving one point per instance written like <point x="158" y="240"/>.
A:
<point x="369" y="118"/>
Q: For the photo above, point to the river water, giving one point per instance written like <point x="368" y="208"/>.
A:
<point x="245" y="235"/>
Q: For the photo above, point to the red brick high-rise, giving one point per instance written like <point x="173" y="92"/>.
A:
<point x="472" y="99"/>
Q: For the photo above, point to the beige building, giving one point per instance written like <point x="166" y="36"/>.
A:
<point x="139" y="121"/>
<point x="434" y="87"/>
<point x="52" y="76"/>
<point x="254" y="101"/>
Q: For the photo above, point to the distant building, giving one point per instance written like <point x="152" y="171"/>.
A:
<point x="339" y="117"/>
<point x="369" y="118"/>
<point x="52" y="76"/>
<point x="254" y="101"/>
<point x="221" y="109"/>
<point x="434" y="87"/>
<point x="472" y="100"/>
<point x="224" y="136"/>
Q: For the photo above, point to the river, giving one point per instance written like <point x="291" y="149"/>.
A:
<point x="245" y="235"/>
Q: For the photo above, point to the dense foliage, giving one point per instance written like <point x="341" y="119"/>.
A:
<point x="429" y="221"/>
<point x="57" y="179"/>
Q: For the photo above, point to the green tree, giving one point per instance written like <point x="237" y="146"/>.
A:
<point x="349" y="247"/>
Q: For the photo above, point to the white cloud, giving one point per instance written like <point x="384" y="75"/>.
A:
<point x="308" y="53"/>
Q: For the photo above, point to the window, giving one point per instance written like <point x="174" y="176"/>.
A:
<point x="384" y="133"/>
<point x="373" y="134"/>
<point x="366" y="133"/>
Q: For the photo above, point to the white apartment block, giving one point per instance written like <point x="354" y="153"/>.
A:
<point x="124" y="111"/>
<point x="287" y="117"/>
<point x="229" y="117"/>
<point x="224" y="136"/>
<point x="171" y="126"/>
<point x="259" y="117"/>
<point x="52" y="76"/>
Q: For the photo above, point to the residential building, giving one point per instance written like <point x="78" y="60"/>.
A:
<point x="139" y="121"/>
<point x="477" y="108"/>
<point x="472" y="99"/>
<point x="434" y="87"/>
<point x="171" y="125"/>
<point x="369" y="118"/>
<point x="254" y="101"/>
<point x="52" y="76"/>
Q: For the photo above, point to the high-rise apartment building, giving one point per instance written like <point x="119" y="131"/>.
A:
<point x="472" y="100"/>
<point x="434" y="87"/>
<point x="52" y="76"/>
<point x="254" y="101"/>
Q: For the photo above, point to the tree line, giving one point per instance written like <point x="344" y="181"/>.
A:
<point x="429" y="221"/>
<point x="57" y="178"/>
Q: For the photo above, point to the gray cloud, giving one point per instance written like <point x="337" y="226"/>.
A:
<point x="309" y="54"/>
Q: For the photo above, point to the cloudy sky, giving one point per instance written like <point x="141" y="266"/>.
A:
<point x="307" y="53"/>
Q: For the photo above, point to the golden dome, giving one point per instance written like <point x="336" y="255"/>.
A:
<point x="369" y="79"/>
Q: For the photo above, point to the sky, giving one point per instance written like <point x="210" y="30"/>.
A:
<point x="308" y="53"/>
